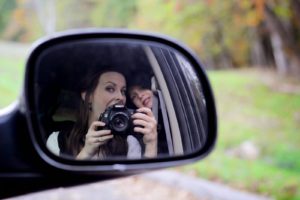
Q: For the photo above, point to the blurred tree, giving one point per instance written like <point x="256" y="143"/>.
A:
<point x="6" y="8"/>
<point x="230" y="33"/>
<point x="278" y="35"/>
<point x="281" y="19"/>
<point x="225" y="34"/>
<point x="23" y="23"/>
<point x="93" y="13"/>
<point x="46" y="13"/>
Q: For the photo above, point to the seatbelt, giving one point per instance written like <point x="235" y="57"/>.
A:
<point x="155" y="105"/>
<point x="158" y="101"/>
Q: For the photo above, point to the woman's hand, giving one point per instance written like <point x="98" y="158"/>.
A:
<point x="93" y="140"/>
<point x="145" y="123"/>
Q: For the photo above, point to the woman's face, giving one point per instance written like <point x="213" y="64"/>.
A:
<point x="141" y="97"/>
<point x="111" y="89"/>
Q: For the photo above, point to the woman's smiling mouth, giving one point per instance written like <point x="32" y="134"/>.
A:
<point x="146" y="101"/>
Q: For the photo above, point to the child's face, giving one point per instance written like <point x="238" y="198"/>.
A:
<point x="141" y="97"/>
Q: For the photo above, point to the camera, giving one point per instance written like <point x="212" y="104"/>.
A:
<point x="117" y="118"/>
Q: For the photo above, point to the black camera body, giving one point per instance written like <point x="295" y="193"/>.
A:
<point x="117" y="118"/>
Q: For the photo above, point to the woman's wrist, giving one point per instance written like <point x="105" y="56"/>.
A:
<point x="151" y="150"/>
<point x="83" y="155"/>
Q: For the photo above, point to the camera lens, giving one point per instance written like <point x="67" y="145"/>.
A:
<point x="119" y="122"/>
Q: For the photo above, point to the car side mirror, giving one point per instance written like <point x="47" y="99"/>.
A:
<point x="106" y="103"/>
<point x="67" y="90"/>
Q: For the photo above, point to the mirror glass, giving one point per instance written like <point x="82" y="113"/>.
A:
<point x="107" y="99"/>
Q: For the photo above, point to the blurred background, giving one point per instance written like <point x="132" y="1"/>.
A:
<point x="250" y="49"/>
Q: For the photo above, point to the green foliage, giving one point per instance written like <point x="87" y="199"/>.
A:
<point x="224" y="33"/>
<point x="113" y="13"/>
<point x="155" y="18"/>
<point x="72" y="14"/>
<point x="211" y="29"/>
<point x="282" y="9"/>
<point x="11" y="76"/>
<point x="249" y="110"/>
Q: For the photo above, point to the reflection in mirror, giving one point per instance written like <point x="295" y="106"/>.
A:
<point x="118" y="99"/>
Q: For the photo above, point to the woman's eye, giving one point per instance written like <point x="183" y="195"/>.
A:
<point x="110" y="89"/>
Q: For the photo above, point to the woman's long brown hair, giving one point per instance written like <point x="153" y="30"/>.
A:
<point x="115" y="147"/>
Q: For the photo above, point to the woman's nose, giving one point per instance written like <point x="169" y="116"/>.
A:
<point x="121" y="98"/>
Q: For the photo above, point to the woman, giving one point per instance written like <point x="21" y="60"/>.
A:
<point x="143" y="98"/>
<point x="87" y="140"/>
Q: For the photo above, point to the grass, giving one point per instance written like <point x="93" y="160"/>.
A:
<point x="11" y="78"/>
<point x="251" y="110"/>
